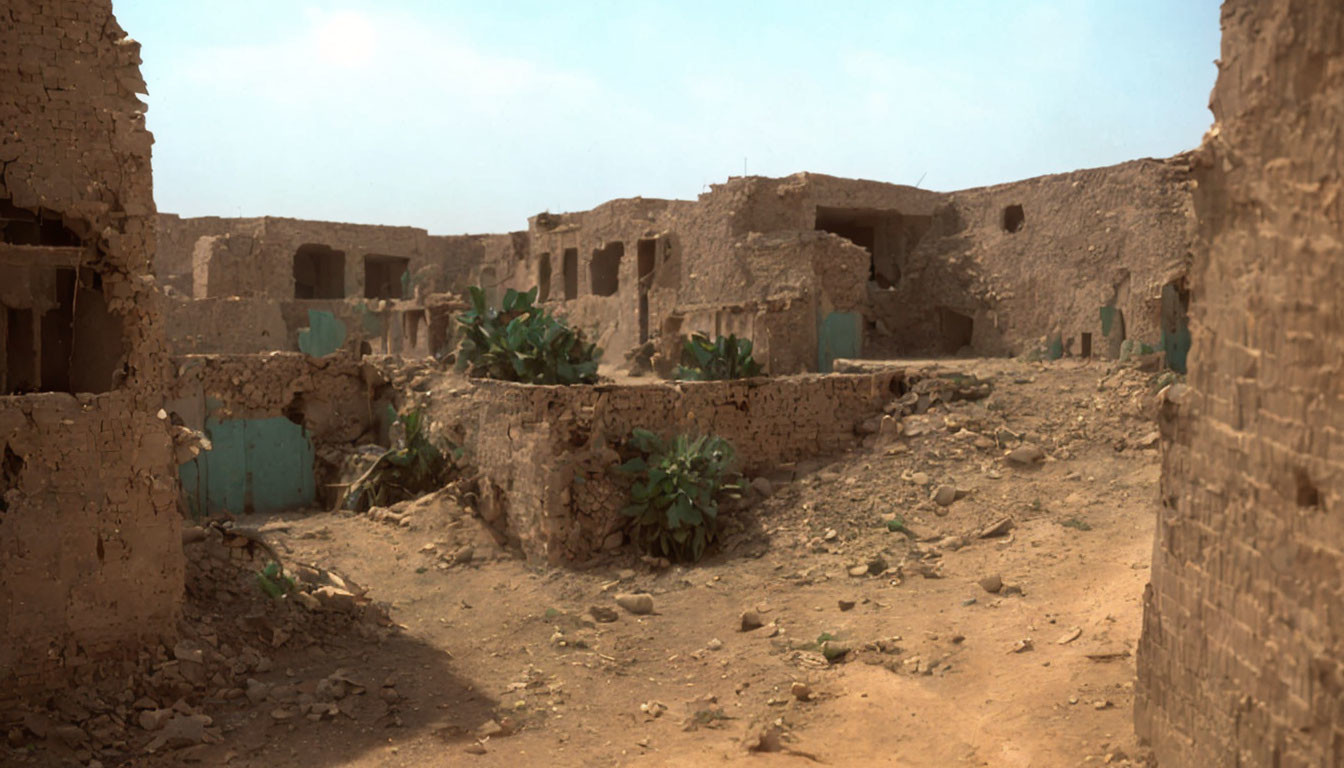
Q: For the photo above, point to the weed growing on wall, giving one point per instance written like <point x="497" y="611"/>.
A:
<point x="523" y="342"/>
<point x="728" y="357"/>
<point x="676" y="494"/>
<point x="414" y="465"/>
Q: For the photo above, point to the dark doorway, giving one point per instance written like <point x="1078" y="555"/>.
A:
<point x="58" y="332"/>
<point x="646" y="251"/>
<point x="20" y="352"/>
<point x="605" y="271"/>
<point x="956" y="330"/>
<point x="1013" y="218"/>
<point x="319" y="272"/>
<point x="1086" y="350"/>
<point x="23" y="227"/>
<point x="570" y="267"/>
<point x="544" y="277"/>
<point x="385" y="277"/>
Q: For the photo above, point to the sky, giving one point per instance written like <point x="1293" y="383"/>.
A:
<point x="471" y="116"/>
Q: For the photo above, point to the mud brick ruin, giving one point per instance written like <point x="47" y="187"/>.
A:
<point x="159" y="370"/>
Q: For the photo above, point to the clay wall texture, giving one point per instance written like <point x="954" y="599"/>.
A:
<point x="547" y="453"/>
<point x="1241" y="661"/>
<point x="90" y="550"/>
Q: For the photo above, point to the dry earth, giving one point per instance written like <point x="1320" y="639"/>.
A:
<point x="498" y="663"/>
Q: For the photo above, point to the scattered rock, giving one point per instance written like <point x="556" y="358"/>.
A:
<point x="877" y="565"/>
<point x="474" y="748"/>
<point x="952" y="543"/>
<point x="639" y="604"/>
<point x="604" y="614"/>
<point x="920" y="478"/>
<point x="1070" y="636"/>
<point x="846" y="605"/>
<point x="945" y="495"/>
<point x="991" y="583"/>
<point x="751" y="620"/>
<point x="335" y="598"/>
<point x="801" y="691"/>
<point x="762" y="486"/>
<point x="763" y="739"/>
<point x="999" y="527"/>
<point x="1026" y="455"/>
<point x="1023" y="645"/>
<point x="858" y="570"/>
<point x="714" y="644"/>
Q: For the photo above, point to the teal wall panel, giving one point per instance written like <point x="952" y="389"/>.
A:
<point x="324" y="334"/>
<point x="254" y="465"/>
<point x="838" y="337"/>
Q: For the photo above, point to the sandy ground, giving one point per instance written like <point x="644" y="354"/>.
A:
<point x="502" y="663"/>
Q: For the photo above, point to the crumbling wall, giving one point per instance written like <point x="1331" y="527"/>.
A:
<point x="548" y="457"/>
<point x="1241" y="661"/>
<point x="1039" y="258"/>
<point x="90" y="553"/>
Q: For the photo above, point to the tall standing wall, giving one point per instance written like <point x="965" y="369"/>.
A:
<point x="1242" y="656"/>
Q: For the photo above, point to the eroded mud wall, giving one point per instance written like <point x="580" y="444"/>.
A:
<point x="91" y="560"/>
<point x="1242" y="656"/>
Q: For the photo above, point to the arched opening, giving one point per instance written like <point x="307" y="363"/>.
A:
<point x="1013" y="218"/>
<point x="544" y="277"/>
<point x="384" y="276"/>
<point x="571" y="273"/>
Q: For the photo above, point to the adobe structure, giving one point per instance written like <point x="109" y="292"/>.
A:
<point x="810" y="267"/>
<point x="91" y="562"/>
<point x="1242" y="656"/>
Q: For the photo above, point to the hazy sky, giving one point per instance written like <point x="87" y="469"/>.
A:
<point x="469" y="117"/>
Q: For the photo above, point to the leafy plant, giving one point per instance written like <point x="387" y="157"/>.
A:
<point x="414" y="465"/>
<point x="273" y="581"/>
<point x="1077" y="523"/>
<point x="728" y="357"/>
<point x="523" y="342"/>
<point x="676" y="493"/>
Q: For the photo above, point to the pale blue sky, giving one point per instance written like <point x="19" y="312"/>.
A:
<point x="469" y="117"/>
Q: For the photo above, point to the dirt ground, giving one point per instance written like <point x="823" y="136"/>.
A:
<point x="500" y="663"/>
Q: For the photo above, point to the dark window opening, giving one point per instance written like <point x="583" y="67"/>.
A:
<point x="386" y="277"/>
<point x="23" y="227"/>
<point x="10" y="468"/>
<point x="889" y="237"/>
<point x="544" y="277"/>
<point x="605" y="271"/>
<point x="1086" y="350"/>
<point x="58" y="334"/>
<point x="956" y="330"/>
<point x="570" y="267"/>
<point x="319" y="272"/>
<point x="1013" y="218"/>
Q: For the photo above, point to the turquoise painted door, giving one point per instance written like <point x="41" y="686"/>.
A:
<point x="1175" y="328"/>
<point x="837" y="337"/>
<point x="254" y="465"/>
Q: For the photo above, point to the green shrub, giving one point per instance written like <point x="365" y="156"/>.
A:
<point x="727" y="358"/>
<point x="523" y="342"/>
<point x="676" y="493"/>
<point x="414" y="465"/>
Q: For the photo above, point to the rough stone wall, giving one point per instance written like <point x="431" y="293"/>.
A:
<point x="548" y="453"/>
<point x="90" y="551"/>
<point x="1098" y="237"/>
<point x="1241" y="661"/>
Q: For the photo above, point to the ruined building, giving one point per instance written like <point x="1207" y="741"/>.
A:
<point x="810" y="267"/>
<point x="90" y="551"/>
<point x="1242" y="656"/>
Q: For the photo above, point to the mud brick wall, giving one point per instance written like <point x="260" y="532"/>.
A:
<point x="548" y="454"/>
<point x="91" y="563"/>
<point x="1241" y="661"/>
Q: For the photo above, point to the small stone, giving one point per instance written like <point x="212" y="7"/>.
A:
<point x="71" y="736"/>
<point x="801" y="691"/>
<point x="474" y="748"/>
<point x="714" y="644"/>
<point x="858" y="570"/>
<point x="762" y="487"/>
<point x="1070" y="636"/>
<point x="1023" y="645"/>
<point x="764" y="739"/>
<point x="307" y="600"/>
<point x="464" y="555"/>
<point x="154" y="719"/>
<point x="999" y="527"/>
<point x="945" y="495"/>
<point x="625" y="574"/>
<point x="751" y="620"/>
<point x="991" y="583"/>
<point x="829" y="535"/>
<point x="280" y="714"/>
<point x="1026" y="455"/>
<point x="921" y="478"/>
<point x="952" y="543"/>
<point x="603" y="614"/>
<point x="335" y="598"/>
<point x="877" y="565"/>
<point x="639" y="604"/>
<point x="846" y="605"/>
<point x="489" y="728"/>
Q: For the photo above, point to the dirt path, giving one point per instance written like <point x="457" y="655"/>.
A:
<point x="940" y="671"/>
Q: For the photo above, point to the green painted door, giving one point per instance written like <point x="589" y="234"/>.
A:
<point x="837" y="337"/>
<point x="254" y="465"/>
